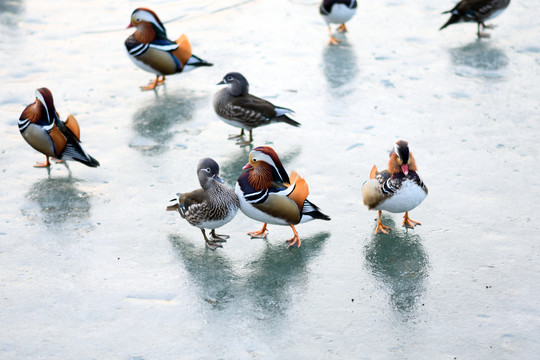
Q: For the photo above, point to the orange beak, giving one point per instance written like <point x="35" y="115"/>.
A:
<point x="129" y="26"/>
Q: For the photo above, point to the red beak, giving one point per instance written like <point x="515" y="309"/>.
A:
<point x="129" y="26"/>
<point x="248" y="166"/>
<point x="405" y="168"/>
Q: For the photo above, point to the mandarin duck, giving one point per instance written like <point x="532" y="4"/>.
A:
<point x="237" y="107"/>
<point x="210" y="207"/>
<point x="337" y="12"/>
<point x="269" y="195"/>
<point x="397" y="189"/>
<point x="150" y="49"/>
<point x="478" y="11"/>
<point x="41" y="127"/>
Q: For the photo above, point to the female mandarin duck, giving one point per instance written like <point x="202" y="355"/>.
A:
<point x="398" y="189"/>
<point x="210" y="207"/>
<point x="337" y="12"/>
<point x="237" y="107"/>
<point x="476" y="10"/>
<point x="269" y="195"/>
<point x="150" y="49"/>
<point x="41" y="127"/>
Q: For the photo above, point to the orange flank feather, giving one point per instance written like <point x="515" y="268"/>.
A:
<point x="73" y="125"/>
<point x="301" y="190"/>
<point x="183" y="52"/>
<point x="373" y="172"/>
<point x="59" y="140"/>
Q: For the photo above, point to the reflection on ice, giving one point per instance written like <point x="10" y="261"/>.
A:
<point x="276" y="270"/>
<point x="339" y="65"/>
<point x="400" y="262"/>
<point x="479" y="58"/>
<point x="59" y="200"/>
<point x="265" y="282"/>
<point x="209" y="269"/>
<point x="153" y="121"/>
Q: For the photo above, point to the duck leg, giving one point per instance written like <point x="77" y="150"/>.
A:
<point x="45" y="164"/>
<point x="295" y="241"/>
<point x="231" y="137"/>
<point x="342" y="28"/>
<point x="380" y="227"/>
<point x="408" y="222"/>
<point x="218" y="237"/>
<point x="333" y="40"/>
<point x="152" y="85"/>
<point x="261" y="234"/>
<point x="481" y="34"/>
<point x="246" y="142"/>
<point x="212" y="245"/>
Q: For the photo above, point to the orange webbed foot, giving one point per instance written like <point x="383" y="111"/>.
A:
<point x="295" y="241"/>
<point x="260" y="234"/>
<point x="342" y="28"/>
<point x="153" y="84"/>
<point x="380" y="227"/>
<point x="407" y="222"/>
<point x="47" y="163"/>
<point x="333" y="41"/>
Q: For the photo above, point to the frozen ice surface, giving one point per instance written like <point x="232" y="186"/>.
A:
<point x="92" y="267"/>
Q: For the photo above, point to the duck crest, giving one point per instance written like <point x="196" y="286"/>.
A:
<point x="153" y="20"/>
<point x="277" y="168"/>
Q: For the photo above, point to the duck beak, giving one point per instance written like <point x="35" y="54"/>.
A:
<point x="247" y="166"/>
<point x="129" y="26"/>
<point x="217" y="178"/>
<point x="405" y="168"/>
<point x="222" y="82"/>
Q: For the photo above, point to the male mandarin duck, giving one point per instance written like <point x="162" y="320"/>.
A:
<point x="210" y="207"/>
<point x="269" y="195"/>
<point x="237" y="107"/>
<point x="397" y="189"/>
<point x="337" y="12"/>
<point x="150" y="49"/>
<point x="478" y="11"/>
<point x="41" y="127"/>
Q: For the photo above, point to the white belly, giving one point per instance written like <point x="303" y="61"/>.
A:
<point x="251" y="212"/>
<point x="340" y="14"/>
<point x="219" y="223"/>
<point x="409" y="196"/>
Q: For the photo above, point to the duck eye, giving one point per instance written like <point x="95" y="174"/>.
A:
<point x="137" y="19"/>
<point x="229" y="78"/>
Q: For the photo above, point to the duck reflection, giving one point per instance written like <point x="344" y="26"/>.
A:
<point x="153" y="121"/>
<point x="339" y="65"/>
<point x="479" y="55"/>
<point x="267" y="279"/>
<point x="398" y="260"/>
<point x="279" y="269"/>
<point x="209" y="269"/>
<point x="59" y="200"/>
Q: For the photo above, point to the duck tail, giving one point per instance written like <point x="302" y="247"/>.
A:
<point x="453" y="19"/>
<point x="312" y="210"/>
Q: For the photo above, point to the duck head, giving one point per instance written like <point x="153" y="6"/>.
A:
<point x="263" y="159"/>
<point x="401" y="159"/>
<point x="43" y="103"/>
<point x="236" y="83"/>
<point x="147" y="23"/>
<point x="208" y="172"/>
